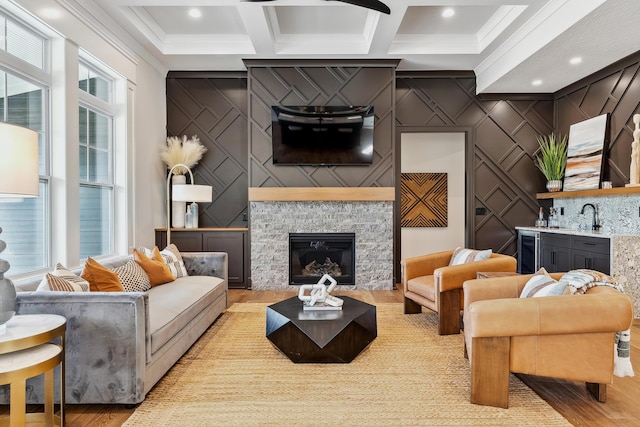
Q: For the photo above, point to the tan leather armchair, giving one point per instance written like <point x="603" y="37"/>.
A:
<point x="429" y="281"/>
<point x="567" y="336"/>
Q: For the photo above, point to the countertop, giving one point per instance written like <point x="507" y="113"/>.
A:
<point x="571" y="231"/>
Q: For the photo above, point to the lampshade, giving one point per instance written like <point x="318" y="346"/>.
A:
<point x="19" y="176"/>
<point x="192" y="193"/>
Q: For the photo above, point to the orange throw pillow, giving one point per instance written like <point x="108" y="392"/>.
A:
<point x="100" y="278"/>
<point x="155" y="267"/>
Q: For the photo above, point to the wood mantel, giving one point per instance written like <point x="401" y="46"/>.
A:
<point x="304" y="194"/>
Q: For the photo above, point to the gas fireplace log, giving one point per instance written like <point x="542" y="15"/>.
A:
<point x="314" y="268"/>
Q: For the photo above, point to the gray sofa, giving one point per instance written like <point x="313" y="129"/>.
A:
<point x="119" y="344"/>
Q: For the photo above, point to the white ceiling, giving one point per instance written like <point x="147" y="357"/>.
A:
<point x="508" y="43"/>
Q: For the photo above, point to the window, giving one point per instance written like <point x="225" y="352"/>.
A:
<point x="24" y="101"/>
<point x="96" y="116"/>
<point x="95" y="84"/>
<point x="22" y="42"/>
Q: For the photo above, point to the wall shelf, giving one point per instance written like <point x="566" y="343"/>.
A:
<point x="301" y="194"/>
<point x="589" y="193"/>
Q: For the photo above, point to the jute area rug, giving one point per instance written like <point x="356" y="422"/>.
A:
<point x="408" y="376"/>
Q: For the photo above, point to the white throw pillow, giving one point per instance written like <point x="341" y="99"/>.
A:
<point x="463" y="256"/>
<point x="543" y="285"/>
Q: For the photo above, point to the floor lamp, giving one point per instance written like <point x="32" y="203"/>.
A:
<point x="185" y="193"/>
<point x="19" y="178"/>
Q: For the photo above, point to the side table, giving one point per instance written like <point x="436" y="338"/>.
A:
<point x="26" y="350"/>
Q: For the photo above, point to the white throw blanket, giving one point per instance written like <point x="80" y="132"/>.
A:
<point x="582" y="280"/>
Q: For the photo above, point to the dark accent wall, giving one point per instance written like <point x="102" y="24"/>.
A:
<point x="320" y="83"/>
<point x="213" y="106"/>
<point x="614" y="90"/>
<point x="501" y="135"/>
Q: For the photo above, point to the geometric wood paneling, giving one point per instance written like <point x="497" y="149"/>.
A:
<point x="423" y="200"/>
<point x="214" y="107"/>
<point x="502" y="138"/>
<point x="320" y="82"/>
<point x="614" y="90"/>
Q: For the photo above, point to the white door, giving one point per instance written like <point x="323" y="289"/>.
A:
<point x="436" y="153"/>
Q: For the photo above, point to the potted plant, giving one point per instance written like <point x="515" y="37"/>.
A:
<point x="552" y="159"/>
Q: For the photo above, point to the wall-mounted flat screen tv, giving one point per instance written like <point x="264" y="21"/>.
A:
<point x="322" y="135"/>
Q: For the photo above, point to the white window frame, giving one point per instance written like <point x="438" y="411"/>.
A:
<point x="110" y="110"/>
<point x="40" y="77"/>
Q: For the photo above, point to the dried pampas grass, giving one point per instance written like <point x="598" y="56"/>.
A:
<point x="185" y="151"/>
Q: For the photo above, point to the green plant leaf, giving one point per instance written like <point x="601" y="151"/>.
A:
<point x="552" y="157"/>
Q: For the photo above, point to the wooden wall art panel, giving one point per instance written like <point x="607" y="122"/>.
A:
<point x="423" y="200"/>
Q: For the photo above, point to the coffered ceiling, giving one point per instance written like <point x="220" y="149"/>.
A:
<point x="509" y="44"/>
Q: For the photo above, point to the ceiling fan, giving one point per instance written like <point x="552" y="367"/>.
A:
<point x="369" y="4"/>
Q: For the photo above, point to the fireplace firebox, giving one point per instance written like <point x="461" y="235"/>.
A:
<point x="312" y="255"/>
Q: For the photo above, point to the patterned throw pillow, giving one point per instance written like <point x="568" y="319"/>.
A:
<point x="463" y="256"/>
<point x="543" y="285"/>
<point x="133" y="277"/>
<point x="172" y="257"/>
<point x="78" y="283"/>
<point x="58" y="284"/>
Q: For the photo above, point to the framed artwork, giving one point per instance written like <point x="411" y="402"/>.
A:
<point x="423" y="200"/>
<point x="585" y="153"/>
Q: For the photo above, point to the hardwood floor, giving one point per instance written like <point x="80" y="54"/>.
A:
<point x="567" y="397"/>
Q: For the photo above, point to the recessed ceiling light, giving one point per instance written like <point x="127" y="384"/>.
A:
<point x="575" y="60"/>
<point x="51" y="13"/>
<point x="536" y="82"/>
<point x="195" y="13"/>
<point x="448" y="12"/>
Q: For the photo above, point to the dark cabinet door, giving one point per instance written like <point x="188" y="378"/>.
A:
<point x="187" y="241"/>
<point x="601" y="263"/>
<point x="563" y="259"/>
<point x="233" y="243"/>
<point x="555" y="252"/>
<point x="592" y="253"/>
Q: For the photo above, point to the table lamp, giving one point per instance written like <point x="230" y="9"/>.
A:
<point x="185" y="193"/>
<point x="19" y="178"/>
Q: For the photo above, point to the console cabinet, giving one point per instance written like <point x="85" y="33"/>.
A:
<point x="563" y="252"/>
<point x="591" y="252"/>
<point x="233" y="241"/>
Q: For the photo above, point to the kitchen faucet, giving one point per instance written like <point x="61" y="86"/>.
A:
<point x="596" y="219"/>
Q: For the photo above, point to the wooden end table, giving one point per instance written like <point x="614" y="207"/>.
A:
<point x="27" y="347"/>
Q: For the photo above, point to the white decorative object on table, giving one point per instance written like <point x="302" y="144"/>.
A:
<point x="178" y="209"/>
<point x="319" y="295"/>
<point x="634" y="172"/>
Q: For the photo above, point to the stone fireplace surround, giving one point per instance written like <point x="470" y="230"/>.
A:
<point x="277" y="211"/>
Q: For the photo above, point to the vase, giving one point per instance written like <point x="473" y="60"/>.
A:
<point x="7" y="293"/>
<point x="178" y="209"/>
<point x="554" y="185"/>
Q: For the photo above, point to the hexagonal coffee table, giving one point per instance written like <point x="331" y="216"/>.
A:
<point x="324" y="336"/>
